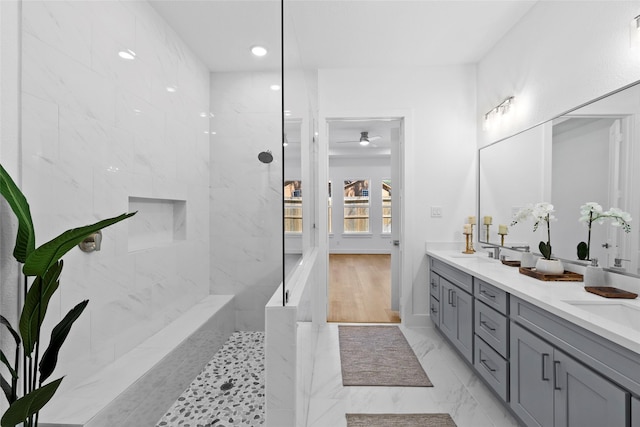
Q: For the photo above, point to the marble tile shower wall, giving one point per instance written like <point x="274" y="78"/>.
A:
<point x="96" y="130"/>
<point x="246" y="195"/>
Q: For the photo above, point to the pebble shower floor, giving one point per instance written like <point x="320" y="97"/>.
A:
<point x="228" y="392"/>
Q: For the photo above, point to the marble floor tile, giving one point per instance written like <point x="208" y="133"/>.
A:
<point x="456" y="389"/>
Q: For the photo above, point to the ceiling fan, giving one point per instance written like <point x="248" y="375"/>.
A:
<point x="364" y="140"/>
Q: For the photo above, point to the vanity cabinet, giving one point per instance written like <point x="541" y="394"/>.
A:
<point x="547" y="370"/>
<point x="456" y="317"/>
<point x="434" y="306"/>
<point x="455" y="305"/>
<point x="491" y="339"/>
<point x="550" y="388"/>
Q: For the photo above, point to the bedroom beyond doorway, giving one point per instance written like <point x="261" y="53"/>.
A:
<point x="360" y="289"/>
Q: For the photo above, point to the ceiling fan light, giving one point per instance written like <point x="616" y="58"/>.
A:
<point x="364" y="142"/>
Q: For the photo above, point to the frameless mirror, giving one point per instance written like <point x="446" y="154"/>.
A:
<point x="586" y="155"/>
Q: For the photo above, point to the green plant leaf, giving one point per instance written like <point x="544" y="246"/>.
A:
<point x="5" y="322"/>
<point x="58" y="335"/>
<point x="39" y="261"/>
<point x="583" y="250"/>
<point x="4" y="360"/>
<point x="36" y="304"/>
<point x="25" y="238"/>
<point x="545" y="250"/>
<point x="6" y="388"/>
<point x="29" y="404"/>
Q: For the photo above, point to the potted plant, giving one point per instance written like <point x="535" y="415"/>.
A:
<point x="540" y="212"/>
<point x="41" y="268"/>
<point x="591" y="212"/>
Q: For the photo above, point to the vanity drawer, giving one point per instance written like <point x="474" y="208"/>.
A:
<point x="492" y="367"/>
<point x="434" y="285"/>
<point x="492" y="327"/>
<point x="492" y="296"/>
<point x="434" y="311"/>
<point x="455" y="276"/>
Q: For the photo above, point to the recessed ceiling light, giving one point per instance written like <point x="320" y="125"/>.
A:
<point x="259" y="51"/>
<point x="127" y="54"/>
<point x="171" y="89"/>
<point x="274" y="87"/>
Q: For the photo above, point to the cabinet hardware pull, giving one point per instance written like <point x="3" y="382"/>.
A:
<point x="556" y="375"/>
<point x="544" y="365"/>
<point x="484" y="363"/>
<point x="482" y="291"/>
<point x="453" y="302"/>
<point x="486" y="325"/>
<point x="449" y="291"/>
<point x="433" y="284"/>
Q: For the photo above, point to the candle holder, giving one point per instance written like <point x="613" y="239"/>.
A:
<point x="502" y="238"/>
<point x="471" y="240"/>
<point x="487" y="225"/>
<point x="469" y="244"/>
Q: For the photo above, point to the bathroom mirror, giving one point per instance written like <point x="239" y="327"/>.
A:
<point x="588" y="154"/>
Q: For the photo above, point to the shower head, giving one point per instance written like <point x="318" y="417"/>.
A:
<point x="265" y="156"/>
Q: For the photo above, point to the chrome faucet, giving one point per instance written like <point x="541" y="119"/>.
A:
<point x="496" y="251"/>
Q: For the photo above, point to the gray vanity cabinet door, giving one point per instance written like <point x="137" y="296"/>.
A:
<point x="456" y="317"/>
<point x="583" y="398"/>
<point x="635" y="412"/>
<point x="531" y="377"/>
<point x="447" y="311"/>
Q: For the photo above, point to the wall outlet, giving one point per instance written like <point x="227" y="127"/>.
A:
<point x="436" y="211"/>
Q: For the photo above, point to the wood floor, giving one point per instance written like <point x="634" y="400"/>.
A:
<point x="360" y="289"/>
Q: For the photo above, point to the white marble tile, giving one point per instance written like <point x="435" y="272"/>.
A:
<point x="470" y="403"/>
<point x="62" y="25"/>
<point x="55" y="77"/>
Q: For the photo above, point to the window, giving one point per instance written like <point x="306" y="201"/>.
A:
<point x="356" y="206"/>
<point x="293" y="207"/>
<point x="386" y="206"/>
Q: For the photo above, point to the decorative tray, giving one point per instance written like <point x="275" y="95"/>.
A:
<point x="609" y="292"/>
<point x="511" y="263"/>
<point x="567" y="276"/>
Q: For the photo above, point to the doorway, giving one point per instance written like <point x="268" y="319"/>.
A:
<point x="364" y="219"/>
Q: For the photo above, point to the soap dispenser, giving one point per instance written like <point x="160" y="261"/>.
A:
<point x="527" y="260"/>
<point x="594" y="275"/>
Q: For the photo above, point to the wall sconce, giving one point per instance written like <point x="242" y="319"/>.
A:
<point x="494" y="116"/>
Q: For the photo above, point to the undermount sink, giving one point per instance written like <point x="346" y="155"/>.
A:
<point x="615" y="311"/>
<point x="472" y="256"/>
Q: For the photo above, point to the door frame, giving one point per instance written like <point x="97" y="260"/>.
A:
<point x="408" y="240"/>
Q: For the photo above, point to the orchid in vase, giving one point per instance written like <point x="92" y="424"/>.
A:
<point x="540" y="212"/>
<point x="591" y="212"/>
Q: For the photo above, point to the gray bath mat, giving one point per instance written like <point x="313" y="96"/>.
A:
<point x="400" y="420"/>
<point x="378" y="356"/>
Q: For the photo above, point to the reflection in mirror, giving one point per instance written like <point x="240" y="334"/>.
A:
<point x="586" y="155"/>
<point x="293" y="188"/>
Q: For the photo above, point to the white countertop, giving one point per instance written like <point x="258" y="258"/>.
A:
<point x="550" y="296"/>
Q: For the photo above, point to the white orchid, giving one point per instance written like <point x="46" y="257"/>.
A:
<point x="591" y="212"/>
<point x="539" y="212"/>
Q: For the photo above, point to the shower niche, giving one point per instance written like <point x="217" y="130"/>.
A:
<point x="159" y="222"/>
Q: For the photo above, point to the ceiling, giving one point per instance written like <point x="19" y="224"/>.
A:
<point x="342" y="34"/>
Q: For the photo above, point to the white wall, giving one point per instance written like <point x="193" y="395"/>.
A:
<point x="560" y="55"/>
<point x="85" y="151"/>
<point x="246" y="195"/>
<point x="440" y="148"/>
<point x="375" y="169"/>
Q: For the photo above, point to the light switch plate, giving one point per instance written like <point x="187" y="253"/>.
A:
<point x="436" y="212"/>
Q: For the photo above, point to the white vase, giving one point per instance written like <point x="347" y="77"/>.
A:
<point x="549" y="266"/>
